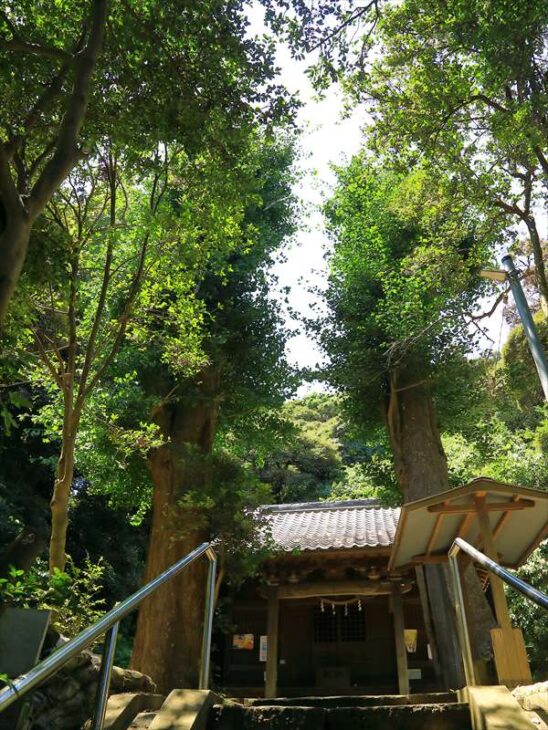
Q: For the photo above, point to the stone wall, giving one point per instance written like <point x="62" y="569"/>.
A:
<point x="66" y="701"/>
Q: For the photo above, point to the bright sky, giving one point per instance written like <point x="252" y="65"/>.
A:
<point x="327" y="139"/>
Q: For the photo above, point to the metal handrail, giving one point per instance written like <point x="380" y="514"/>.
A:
<point x="109" y="625"/>
<point x="512" y="580"/>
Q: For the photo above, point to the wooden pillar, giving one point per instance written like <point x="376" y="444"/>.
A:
<point x="423" y="594"/>
<point x="511" y="661"/>
<point x="272" y="621"/>
<point x="497" y="587"/>
<point x="401" y="651"/>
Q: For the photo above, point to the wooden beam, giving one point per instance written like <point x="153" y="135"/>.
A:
<point x="337" y="588"/>
<point x="465" y="525"/>
<point x="429" y="559"/>
<point x="434" y="533"/>
<point x="272" y="622"/>
<point x="429" y="628"/>
<point x="399" y="638"/>
<point x="456" y="509"/>
<point x="497" y="588"/>
<point x="503" y="519"/>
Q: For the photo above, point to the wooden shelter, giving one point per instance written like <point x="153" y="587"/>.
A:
<point x="342" y="607"/>
<point x="504" y="521"/>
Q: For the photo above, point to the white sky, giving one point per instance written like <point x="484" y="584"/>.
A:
<point x="327" y="139"/>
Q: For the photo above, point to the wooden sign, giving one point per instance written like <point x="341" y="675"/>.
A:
<point x="263" y="648"/>
<point x="243" y="641"/>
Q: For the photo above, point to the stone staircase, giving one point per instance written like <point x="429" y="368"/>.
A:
<point x="394" y="712"/>
<point x="186" y="710"/>
<point x="488" y="708"/>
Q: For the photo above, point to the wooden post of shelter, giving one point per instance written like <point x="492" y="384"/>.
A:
<point x="511" y="660"/>
<point x="272" y="623"/>
<point x="399" y="637"/>
<point x="425" y="604"/>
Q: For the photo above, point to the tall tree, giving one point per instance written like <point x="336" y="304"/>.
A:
<point x="137" y="74"/>
<point x="75" y="310"/>
<point x="464" y="86"/>
<point x="402" y="276"/>
<point x="241" y="370"/>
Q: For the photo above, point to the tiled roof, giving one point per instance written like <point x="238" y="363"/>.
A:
<point x="355" y="523"/>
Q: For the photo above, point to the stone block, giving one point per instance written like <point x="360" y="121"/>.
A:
<point x="232" y="716"/>
<point x="495" y="708"/>
<point x="185" y="709"/>
<point x="400" y="717"/>
<point x="123" y="708"/>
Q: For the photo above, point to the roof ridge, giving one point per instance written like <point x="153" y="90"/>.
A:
<point x="324" y="506"/>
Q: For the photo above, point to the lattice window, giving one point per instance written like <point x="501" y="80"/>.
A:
<point x="352" y="623"/>
<point x="325" y="625"/>
<point x="346" y="624"/>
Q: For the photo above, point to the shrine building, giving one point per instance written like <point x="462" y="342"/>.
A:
<point x="342" y="605"/>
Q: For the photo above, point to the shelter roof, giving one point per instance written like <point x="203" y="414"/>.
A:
<point x="427" y="527"/>
<point x="356" y="523"/>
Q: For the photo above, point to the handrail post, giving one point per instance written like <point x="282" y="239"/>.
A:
<point x="101" y="699"/>
<point x="208" y="620"/>
<point x="107" y="623"/>
<point x="462" y="626"/>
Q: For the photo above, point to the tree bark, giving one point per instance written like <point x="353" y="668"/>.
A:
<point x="14" y="242"/>
<point x="60" y="500"/>
<point x="538" y="256"/>
<point x="169" y="629"/>
<point x="421" y="468"/>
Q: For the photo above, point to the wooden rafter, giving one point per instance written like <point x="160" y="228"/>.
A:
<point x="465" y="524"/>
<point x="503" y="519"/>
<point x="435" y="532"/>
<point x="455" y="509"/>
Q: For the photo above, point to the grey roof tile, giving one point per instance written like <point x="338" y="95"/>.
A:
<point x="354" y="523"/>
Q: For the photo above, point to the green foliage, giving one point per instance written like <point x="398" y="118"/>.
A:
<point x="201" y="79"/>
<point x="520" y="371"/>
<point x="484" y="428"/>
<point x="530" y="617"/>
<point x="73" y="596"/>
<point x="402" y="277"/>
<point x="318" y="457"/>
<point x="463" y="86"/>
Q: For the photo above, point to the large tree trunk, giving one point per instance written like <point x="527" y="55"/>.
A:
<point x="421" y="468"/>
<point x="14" y="241"/>
<point x="169" y="629"/>
<point x="538" y="256"/>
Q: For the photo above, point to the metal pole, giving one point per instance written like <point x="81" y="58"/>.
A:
<point x="208" y="620"/>
<point x="104" y="677"/>
<point x="528" y="322"/>
<point x="462" y="627"/>
<point x="512" y="580"/>
<point x="55" y="661"/>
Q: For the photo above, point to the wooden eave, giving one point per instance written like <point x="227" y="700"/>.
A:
<point x="427" y="527"/>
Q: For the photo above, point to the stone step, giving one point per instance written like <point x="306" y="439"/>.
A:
<point x="355" y="700"/>
<point x="447" y="716"/>
<point x="143" y="721"/>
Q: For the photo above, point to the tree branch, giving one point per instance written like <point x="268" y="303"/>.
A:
<point x="92" y="340"/>
<point x="16" y="45"/>
<point x="355" y="16"/>
<point x="491" y="311"/>
<point x="134" y="290"/>
<point x="47" y="362"/>
<point x="489" y="102"/>
<point x="66" y="150"/>
<point x="542" y="159"/>
<point x="8" y="190"/>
